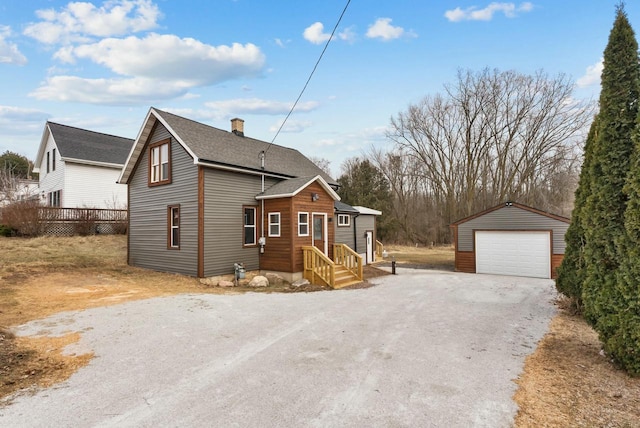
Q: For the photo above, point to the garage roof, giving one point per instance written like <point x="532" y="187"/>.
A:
<point x="511" y="204"/>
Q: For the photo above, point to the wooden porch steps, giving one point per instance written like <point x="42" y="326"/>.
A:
<point x="344" y="277"/>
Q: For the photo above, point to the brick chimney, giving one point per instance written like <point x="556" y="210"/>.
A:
<point x="237" y="127"/>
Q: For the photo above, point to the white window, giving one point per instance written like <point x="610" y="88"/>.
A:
<point x="174" y="226"/>
<point x="344" y="220"/>
<point x="54" y="198"/>
<point x="159" y="166"/>
<point x="274" y="224"/>
<point x="249" y="226"/>
<point x="303" y="224"/>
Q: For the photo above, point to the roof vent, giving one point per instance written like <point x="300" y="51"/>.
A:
<point x="237" y="127"/>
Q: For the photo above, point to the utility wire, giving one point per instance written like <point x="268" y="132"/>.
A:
<point x="310" y="76"/>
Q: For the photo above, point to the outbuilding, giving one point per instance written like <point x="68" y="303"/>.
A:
<point x="510" y="239"/>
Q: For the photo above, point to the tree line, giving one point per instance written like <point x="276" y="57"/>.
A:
<point x="492" y="136"/>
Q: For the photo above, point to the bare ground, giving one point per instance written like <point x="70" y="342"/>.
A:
<point x="566" y="381"/>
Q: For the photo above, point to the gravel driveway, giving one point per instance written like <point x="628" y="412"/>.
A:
<point x="422" y="348"/>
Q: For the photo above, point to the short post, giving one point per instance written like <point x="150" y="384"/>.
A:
<point x="393" y="265"/>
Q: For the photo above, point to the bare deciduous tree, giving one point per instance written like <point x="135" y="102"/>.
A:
<point x="494" y="136"/>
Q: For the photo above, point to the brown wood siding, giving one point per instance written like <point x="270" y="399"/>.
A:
<point x="324" y="205"/>
<point x="148" y="213"/>
<point x="465" y="261"/>
<point x="556" y="260"/>
<point x="277" y="251"/>
<point x="285" y="252"/>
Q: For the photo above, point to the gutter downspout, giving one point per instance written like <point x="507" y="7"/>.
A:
<point x="355" y="233"/>
<point x="262" y="239"/>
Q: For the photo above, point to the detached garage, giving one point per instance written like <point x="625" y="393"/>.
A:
<point x="510" y="239"/>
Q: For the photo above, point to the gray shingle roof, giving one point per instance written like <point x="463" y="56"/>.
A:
<point x="87" y="145"/>
<point x="214" y="145"/>
<point x="344" y="208"/>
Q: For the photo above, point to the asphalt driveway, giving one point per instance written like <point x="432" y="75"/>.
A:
<point x="422" y="348"/>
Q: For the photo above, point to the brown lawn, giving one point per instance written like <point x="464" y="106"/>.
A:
<point x="566" y="382"/>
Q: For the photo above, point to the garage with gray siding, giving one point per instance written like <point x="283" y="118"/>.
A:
<point x="510" y="239"/>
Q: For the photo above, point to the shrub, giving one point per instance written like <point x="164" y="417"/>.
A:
<point x="6" y="230"/>
<point x="23" y="218"/>
<point x="85" y="223"/>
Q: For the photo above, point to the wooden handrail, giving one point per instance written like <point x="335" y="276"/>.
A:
<point x="379" y="249"/>
<point x="345" y="256"/>
<point x="317" y="266"/>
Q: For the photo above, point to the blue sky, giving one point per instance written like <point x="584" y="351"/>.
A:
<point x="101" y="65"/>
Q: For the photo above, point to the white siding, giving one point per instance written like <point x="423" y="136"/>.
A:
<point x="92" y="187"/>
<point x="54" y="180"/>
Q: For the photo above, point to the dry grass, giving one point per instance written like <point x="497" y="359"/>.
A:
<point x="441" y="257"/>
<point x="568" y="382"/>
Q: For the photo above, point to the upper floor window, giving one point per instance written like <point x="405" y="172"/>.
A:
<point x="303" y="224"/>
<point x="48" y="161"/>
<point x="160" y="163"/>
<point x="249" y="235"/>
<point x="274" y="224"/>
<point x="344" y="220"/>
<point x="53" y="160"/>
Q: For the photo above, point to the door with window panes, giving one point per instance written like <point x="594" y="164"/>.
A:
<point x="319" y="232"/>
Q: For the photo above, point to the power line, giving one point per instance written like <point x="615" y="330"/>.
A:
<point x="310" y="76"/>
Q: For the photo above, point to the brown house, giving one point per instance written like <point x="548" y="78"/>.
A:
<point x="510" y="239"/>
<point x="202" y="200"/>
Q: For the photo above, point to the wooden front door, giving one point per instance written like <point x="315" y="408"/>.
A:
<point x="320" y="232"/>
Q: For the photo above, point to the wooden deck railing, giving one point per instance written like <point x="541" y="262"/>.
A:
<point x="81" y="214"/>
<point x="379" y="250"/>
<point x="345" y="256"/>
<point x="318" y="267"/>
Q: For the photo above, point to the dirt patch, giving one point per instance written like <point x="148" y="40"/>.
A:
<point x="567" y="381"/>
<point x="26" y="363"/>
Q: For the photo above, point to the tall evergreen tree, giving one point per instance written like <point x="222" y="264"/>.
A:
<point x="624" y="344"/>
<point x="571" y="273"/>
<point x="603" y="215"/>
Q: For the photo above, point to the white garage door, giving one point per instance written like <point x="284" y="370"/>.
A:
<point x="513" y="253"/>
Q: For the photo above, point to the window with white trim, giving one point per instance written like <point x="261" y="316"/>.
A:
<point x="303" y="224"/>
<point x="274" y="224"/>
<point x="160" y="163"/>
<point x="174" y="227"/>
<point x="344" y="220"/>
<point x="54" y="198"/>
<point x="249" y="233"/>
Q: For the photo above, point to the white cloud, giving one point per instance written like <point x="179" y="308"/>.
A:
<point x="592" y="75"/>
<point x="382" y="29"/>
<point x="314" y="33"/>
<point x="292" y="126"/>
<point x="191" y="62"/>
<point x="510" y="10"/>
<point x="9" y="52"/>
<point x="259" y="106"/>
<point x="20" y="121"/>
<point x="149" y="74"/>
<point x="114" y="91"/>
<point x="81" y="21"/>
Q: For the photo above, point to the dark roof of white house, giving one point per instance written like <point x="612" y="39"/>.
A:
<point x="82" y="144"/>
<point x="216" y="147"/>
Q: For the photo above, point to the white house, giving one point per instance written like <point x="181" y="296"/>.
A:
<point x="80" y="168"/>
